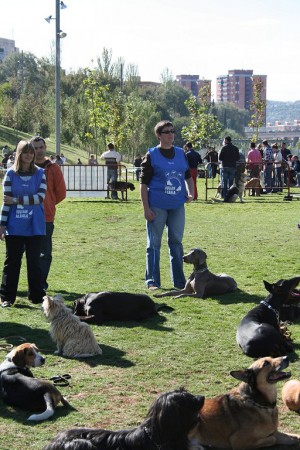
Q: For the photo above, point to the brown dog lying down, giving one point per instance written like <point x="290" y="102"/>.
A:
<point x="247" y="416"/>
<point x="100" y="307"/>
<point x="202" y="283"/>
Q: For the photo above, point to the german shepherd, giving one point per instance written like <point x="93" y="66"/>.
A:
<point x="247" y="416"/>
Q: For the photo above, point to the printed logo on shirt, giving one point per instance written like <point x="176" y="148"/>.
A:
<point x="23" y="213"/>
<point x="174" y="182"/>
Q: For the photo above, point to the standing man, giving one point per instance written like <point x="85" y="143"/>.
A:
<point x="268" y="165"/>
<point x="112" y="160"/>
<point x="194" y="159"/>
<point x="56" y="192"/>
<point x="229" y="156"/>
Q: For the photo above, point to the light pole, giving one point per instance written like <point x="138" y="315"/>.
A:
<point x="58" y="36"/>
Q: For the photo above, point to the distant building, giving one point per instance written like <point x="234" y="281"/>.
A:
<point x="237" y="88"/>
<point x="192" y="83"/>
<point x="7" y="46"/>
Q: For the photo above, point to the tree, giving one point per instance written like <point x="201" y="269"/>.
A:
<point x="257" y="108"/>
<point x="204" y="125"/>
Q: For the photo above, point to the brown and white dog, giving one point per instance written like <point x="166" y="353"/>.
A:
<point x="254" y="184"/>
<point x="19" y="388"/>
<point x="247" y="416"/>
<point x="73" y="338"/>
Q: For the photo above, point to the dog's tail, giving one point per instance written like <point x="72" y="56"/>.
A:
<point x="49" y="411"/>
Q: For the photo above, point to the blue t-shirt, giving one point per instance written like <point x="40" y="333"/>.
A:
<point x="167" y="188"/>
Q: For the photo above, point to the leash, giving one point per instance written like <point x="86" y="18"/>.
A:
<point x="61" y="380"/>
<point x="6" y="347"/>
<point x="272" y="309"/>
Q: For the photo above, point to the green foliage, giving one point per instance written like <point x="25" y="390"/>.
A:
<point x="257" y="108"/>
<point x="204" y="125"/>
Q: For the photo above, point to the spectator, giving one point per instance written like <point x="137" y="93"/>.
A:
<point x="166" y="185"/>
<point x="268" y="166"/>
<point x="92" y="160"/>
<point x="56" y="192"/>
<point x="5" y="150"/>
<point x="254" y="161"/>
<point x="194" y="159"/>
<point x="212" y="162"/>
<point x="112" y="160"/>
<point x="296" y="167"/>
<point x="4" y="161"/>
<point x="137" y="164"/>
<point x="229" y="156"/>
<point x="23" y="224"/>
<point x="79" y="163"/>
<point x="10" y="162"/>
<point x="63" y="158"/>
<point x="277" y="155"/>
<point x="285" y="151"/>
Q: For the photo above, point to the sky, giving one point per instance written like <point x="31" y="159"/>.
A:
<point x="191" y="37"/>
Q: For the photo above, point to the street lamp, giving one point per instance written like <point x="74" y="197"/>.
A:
<point x="59" y="34"/>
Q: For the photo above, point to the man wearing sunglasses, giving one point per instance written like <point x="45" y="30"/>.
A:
<point x="166" y="185"/>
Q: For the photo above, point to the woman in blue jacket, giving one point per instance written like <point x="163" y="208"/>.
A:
<point x="22" y="224"/>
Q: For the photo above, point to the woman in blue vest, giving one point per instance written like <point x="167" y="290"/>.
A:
<point x="22" y="224"/>
<point x="166" y="185"/>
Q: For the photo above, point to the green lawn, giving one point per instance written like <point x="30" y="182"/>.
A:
<point x="100" y="245"/>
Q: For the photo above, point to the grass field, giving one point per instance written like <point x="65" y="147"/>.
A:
<point x="100" y="245"/>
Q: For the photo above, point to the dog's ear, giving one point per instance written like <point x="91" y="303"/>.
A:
<point x="242" y="375"/>
<point x="269" y="287"/>
<point x="18" y="358"/>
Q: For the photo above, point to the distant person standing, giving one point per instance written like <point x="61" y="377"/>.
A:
<point x="79" y="163"/>
<point x="23" y="224"/>
<point x="92" y="160"/>
<point x="268" y="166"/>
<point x="254" y="161"/>
<point x="137" y="164"/>
<point x="212" y="159"/>
<point x="194" y="159"/>
<point x="229" y="156"/>
<point x="56" y="192"/>
<point x="112" y="160"/>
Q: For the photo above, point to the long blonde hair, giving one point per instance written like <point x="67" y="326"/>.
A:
<point x="24" y="147"/>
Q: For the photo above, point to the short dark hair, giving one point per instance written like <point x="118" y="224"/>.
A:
<point x="110" y="146"/>
<point x="161" y="125"/>
<point x="227" y="138"/>
<point x="252" y="145"/>
<point x="265" y="142"/>
<point x="189" y="145"/>
<point x="37" y="139"/>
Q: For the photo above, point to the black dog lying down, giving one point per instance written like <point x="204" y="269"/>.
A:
<point x="170" y="419"/>
<point x="106" y="306"/>
<point x="258" y="333"/>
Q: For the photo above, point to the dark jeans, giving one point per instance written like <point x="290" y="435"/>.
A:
<point x="15" y="247"/>
<point x="46" y="254"/>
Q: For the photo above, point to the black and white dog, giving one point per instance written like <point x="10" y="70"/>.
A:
<point x="19" y="388"/>
<point x="258" y="333"/>
<point x="167" y="426"/>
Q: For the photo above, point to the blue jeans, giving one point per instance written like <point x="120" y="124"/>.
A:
<point x="227" y="175"/>
<point x="174" y="220"/>
<point x="268" y="177"/>
<point x="46" y="253"/>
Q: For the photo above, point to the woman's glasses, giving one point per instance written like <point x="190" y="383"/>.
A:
<point x="168" y="132"/>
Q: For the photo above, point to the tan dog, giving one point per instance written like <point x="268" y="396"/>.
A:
<point x="19" y="388"/>
<point x="253" y="183"/>
<point x="202" y="283"/>
<point x="74" y="339"/>
<point x="247" y="416"/>
<point x="291" y="395"/>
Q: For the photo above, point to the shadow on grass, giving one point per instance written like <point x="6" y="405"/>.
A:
<point x="17" y="415"/>
<point x="238" y="296"/>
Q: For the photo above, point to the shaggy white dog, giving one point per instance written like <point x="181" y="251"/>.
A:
<point x="73" y="338"/>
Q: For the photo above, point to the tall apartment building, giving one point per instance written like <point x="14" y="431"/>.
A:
<point x="7" y="46"/>
<point x="193" y="83"/>
<point x="237" y="88"/>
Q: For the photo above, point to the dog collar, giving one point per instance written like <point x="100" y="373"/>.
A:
<point x="201" y="270"/>
<point x="272" y="309"/>
<point x="261" y="406"/>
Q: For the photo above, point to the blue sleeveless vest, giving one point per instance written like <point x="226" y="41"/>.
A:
<point x="26" y="220"/>
<point x="167" y="189"/>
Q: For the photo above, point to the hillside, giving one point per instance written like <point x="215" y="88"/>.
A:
<point x="283" y="111"/>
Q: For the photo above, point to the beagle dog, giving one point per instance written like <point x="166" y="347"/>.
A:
<point x="19" y="388"/>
